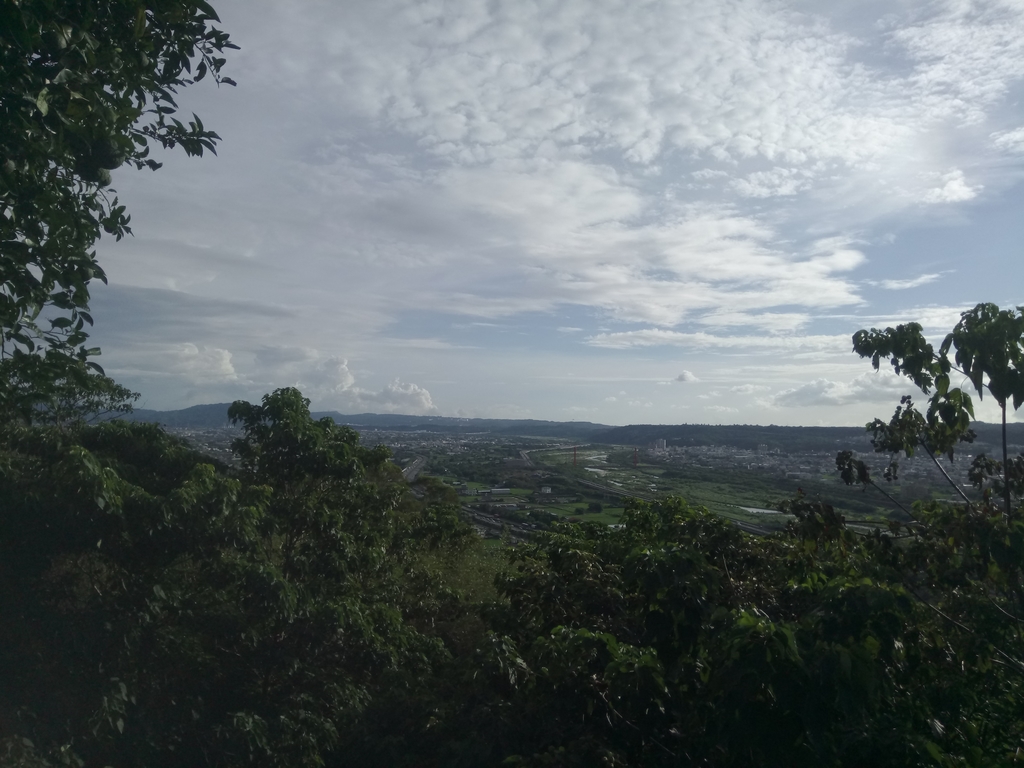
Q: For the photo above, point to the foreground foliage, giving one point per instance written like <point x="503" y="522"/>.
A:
<point x="306" y="608"/>
<point x="680" y="640"/>
<point x="85" y="87"/>
<point x="160" y="610"/>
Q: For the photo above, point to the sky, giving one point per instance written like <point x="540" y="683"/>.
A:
<point x="619" y="211"/>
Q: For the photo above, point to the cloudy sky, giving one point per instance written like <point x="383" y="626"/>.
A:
<point x="622" y="211"/>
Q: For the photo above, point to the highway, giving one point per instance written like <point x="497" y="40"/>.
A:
<point x="617" y="491"/>
<point x="411" y="472"/>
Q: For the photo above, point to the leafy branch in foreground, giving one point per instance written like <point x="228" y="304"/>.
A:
<point x="54" y="389"/>
<point x="85" y="87"/>
<point x="988" y="351"/>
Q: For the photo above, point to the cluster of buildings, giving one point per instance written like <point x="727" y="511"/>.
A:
<point x="805" y="465"/>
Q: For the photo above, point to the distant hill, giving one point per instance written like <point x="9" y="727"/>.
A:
<point x="216" y="415"/>
<point x="746" y="436"/>
<point x="532" y="427"/>
<point x="990" y="436"/>
<point x="198" y="416"/>
<point x="786" y="439"/>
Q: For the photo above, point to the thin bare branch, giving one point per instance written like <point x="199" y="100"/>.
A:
<point x="956" y="487"/>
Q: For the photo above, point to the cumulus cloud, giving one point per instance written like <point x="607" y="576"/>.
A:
<point x="193" y="363"/>
<point x="329" y="382"/>
<point x="398" y="397"/>
<point x="954" y="189"/>
<point x="327" y="377"/>
<point x="332" y="377"/>
<point x="687" y="377"/>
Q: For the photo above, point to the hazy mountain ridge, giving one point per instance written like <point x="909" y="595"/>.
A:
<point x="215" y="415"/>
<point x="745" y="436"/>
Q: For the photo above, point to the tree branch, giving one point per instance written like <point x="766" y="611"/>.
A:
<point x="894" y="501"/>
<point x="956" y="487"/>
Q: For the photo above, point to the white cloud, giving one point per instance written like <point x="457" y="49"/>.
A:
<point x="652" y="337"/>
<point x="713" y="175"/>
<point x="749" y="389"/>
<point x="327" y="377"/>
<point x="708" y="173"/>
<point x="202" y="363"/>
<point x="330" y="383"/>
<point x="195" y="364"/>
<point x="966" y="55"/>
<point x="954" y="189"/>
<point x="902" y="285"/>
<point x="398" y="397"/>
<point x="874" y="387"/>
<point x="687" y="377"/>
<point x="540" y="146"/>
<point x="935" y="318"/>
<point x="734" y="79"/>
<point x="1009" y="141"/>
<point x="778" y="182"/>
<point x="721" y="409"/>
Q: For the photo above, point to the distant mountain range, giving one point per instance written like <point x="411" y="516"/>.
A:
<point x="216" y="416"/>
<point x="788" y="439"/>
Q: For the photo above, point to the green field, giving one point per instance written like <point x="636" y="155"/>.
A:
<point x="608" y="475"/>
<point x="722" y="490"/>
